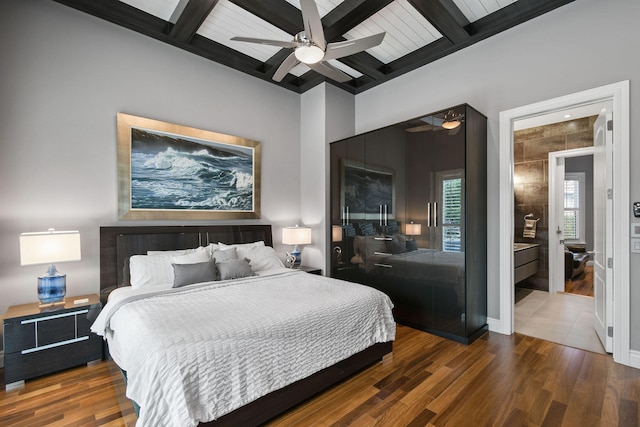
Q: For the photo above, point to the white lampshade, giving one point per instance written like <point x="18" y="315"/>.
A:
<point x="414" y="229"/>
<point x="336" y="233"/>
<point x="49" y="247"/>
<point x="296" y="235"/>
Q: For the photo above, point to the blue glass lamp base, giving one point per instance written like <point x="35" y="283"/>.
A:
<point x="296" y="253"/>
<point x="52" y="287"/>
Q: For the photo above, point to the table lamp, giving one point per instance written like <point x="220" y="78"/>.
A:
<point x="336" y="236"/>
<point x="49" y="247"/>
<point x="413" y="229"/>
<point x="295" y="236"/>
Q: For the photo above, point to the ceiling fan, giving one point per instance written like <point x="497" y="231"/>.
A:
<point x="310" y="47"/>
<point x="450" y="121"/>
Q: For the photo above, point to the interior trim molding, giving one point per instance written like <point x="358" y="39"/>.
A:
<point x="618" y="94"/>
<point x="556" y="266"/>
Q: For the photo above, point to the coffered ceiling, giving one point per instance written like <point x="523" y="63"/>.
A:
<point x="417" y="31"/>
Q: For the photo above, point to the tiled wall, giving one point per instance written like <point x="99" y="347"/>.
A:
<point x="531" y="177"/>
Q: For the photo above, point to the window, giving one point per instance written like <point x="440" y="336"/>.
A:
<point x="574" y="200"/>
<point x="451" y="199"/>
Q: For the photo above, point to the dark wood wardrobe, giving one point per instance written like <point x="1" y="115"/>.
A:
<point x="409" y="217"/>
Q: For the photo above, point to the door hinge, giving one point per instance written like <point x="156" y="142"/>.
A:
<point x="609" y="124"/>
<point x="610" y="331"/>
<point x="610" y="262"/>
<point x="610" y="193"/>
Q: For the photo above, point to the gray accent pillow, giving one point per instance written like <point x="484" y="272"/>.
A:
<point x="225" y="255"/>
<point x="234" y="269"/>
<point x="188" y="274"/>
<point x="397" y="244"/>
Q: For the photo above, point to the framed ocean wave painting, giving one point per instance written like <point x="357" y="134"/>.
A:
<point x="172" y="172"/>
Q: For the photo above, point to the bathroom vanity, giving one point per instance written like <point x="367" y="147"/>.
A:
<point x="525" y="260"/>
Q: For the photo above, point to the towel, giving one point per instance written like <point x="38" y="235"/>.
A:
<point x="530" y="227"/>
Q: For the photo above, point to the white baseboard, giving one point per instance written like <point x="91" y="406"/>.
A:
<point x="495" y="325"/>
<point x="634" y="359"/>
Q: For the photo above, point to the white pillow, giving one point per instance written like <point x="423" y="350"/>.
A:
<point x="200" y="255"/>
<point x="263" y="258"/>
<point x="157" y="271"/>
<point x="172" y="253"/>
<point x="241" y="248"/>
<point x="146" y="271"/>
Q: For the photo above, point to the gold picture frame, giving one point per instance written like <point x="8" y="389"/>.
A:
<point x="172" y="172"/>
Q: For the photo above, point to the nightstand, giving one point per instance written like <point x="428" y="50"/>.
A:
<point x="310" y="270"/>
<point x="41" y="341"/>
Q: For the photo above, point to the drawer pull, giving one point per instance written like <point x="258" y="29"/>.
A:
<point x="382" y="253"/>
<point x="383" y="265"/>
<point x="54" y="316"/>
<point x="383" y="238"/>
<point x="55" y="344"/>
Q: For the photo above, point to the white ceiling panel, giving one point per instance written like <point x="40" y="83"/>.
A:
<point x="324" y="6"/>
<point x="163" y="9"/>
<point x="230" y="20"/>
<point x="476" y="9"/>
<point x="407" y="30"/>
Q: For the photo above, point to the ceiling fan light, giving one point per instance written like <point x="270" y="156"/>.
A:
<point x="309" y="54"/>
<point x="451" y="124"/>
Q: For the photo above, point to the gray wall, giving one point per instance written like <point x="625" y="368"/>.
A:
<point x="64" y="77"/>
<point x="582" y="45"/>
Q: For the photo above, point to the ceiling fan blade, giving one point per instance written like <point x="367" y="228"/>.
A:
<point x="422" y="128"/>
<point x="349" y="47"/>
<point x="266" y="41"/>
<point x="330" y="71"/>
<point x="289" y="62"/>
<point x="312" y="23"/>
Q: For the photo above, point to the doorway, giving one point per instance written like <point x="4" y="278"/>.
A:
<point x="547" y="159"/>
<point x="618" y="94"/>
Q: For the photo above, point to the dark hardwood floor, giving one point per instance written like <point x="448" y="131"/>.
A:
<point x="581" y="284"/>
<point x="428" y="381"/>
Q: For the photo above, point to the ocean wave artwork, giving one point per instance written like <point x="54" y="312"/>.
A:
<point x="180" y="173"/>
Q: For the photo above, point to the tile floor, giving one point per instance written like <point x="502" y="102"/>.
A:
<point x="561" y="318"/>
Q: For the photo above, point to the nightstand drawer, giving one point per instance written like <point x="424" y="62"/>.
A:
<point x="18" y="366"/>
<point x="45" y="331"/>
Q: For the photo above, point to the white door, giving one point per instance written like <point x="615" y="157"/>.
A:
<point x="556" y="223"/>
<point x="603" y="229"/>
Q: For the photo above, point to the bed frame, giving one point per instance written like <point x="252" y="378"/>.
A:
<point x="117" y="244"/>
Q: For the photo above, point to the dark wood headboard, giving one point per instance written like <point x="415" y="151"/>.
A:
<point x="117" y="244"/>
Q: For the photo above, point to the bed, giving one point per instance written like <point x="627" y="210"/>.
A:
<point x="236" y="350"/>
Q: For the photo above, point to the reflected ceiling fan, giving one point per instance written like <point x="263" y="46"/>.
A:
<point x="450" y="121"/>
<point x="310" y="47"/>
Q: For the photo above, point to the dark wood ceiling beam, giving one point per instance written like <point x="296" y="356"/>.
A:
<point x="192" y="16"/>
<point x="366" y="64"/>
<point x="349" y="14"/>
<point x="277" y="12"/>
<point x="439" y="13"/>
<point x="510" y="16"/>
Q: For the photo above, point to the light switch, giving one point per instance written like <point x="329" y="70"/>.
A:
<point x="635" y="246"/>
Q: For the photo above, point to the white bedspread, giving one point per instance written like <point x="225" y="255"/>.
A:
<point x="196" y="353"/>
